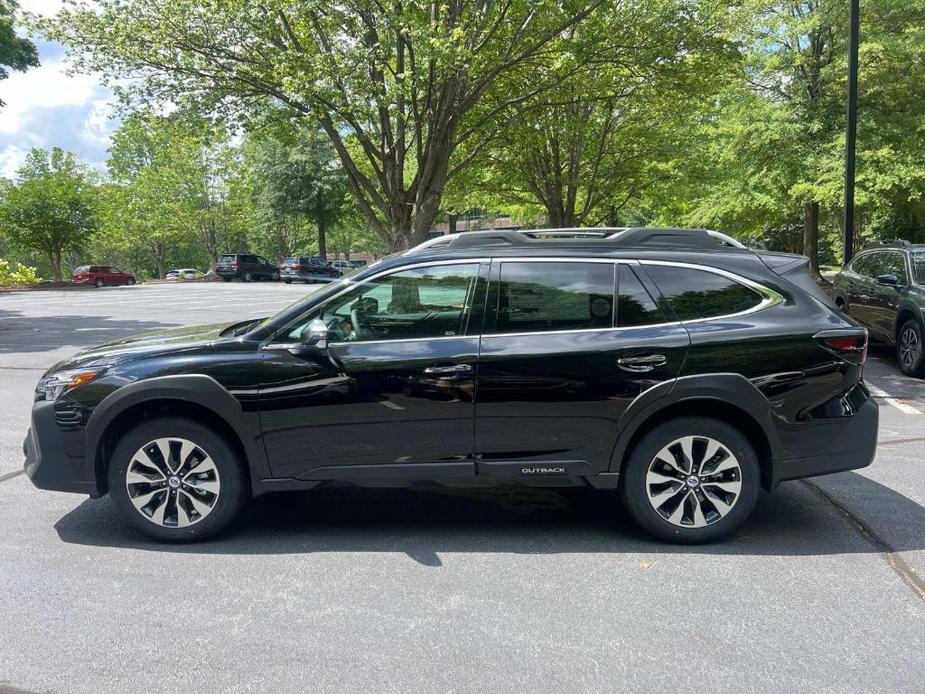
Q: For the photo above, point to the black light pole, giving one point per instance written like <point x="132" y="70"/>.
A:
<point x="851" y="134"/>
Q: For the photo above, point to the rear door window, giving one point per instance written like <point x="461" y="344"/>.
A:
<point x="226" y="259"/>
<point x="695" y="294"/>
<point x="541" y="297"/>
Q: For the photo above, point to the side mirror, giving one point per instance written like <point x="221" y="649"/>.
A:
<point x="889" y="280"/>
<point x="314" y="336"/>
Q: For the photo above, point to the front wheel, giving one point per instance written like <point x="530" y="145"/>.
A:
<point x="177" y="480"/>
<point x="909" y="351"/>
<point x="275" y="277"/>
<point x="99" y="282"/>
<point x="691" y="480"/>
<point x="246" y="277"/>
<point x="227" y="279"/>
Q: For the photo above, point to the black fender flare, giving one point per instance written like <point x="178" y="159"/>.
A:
<point x="198" y="389"/>
<point x="726" y="388"/>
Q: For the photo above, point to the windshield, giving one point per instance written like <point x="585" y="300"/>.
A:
<point x="918" y="266"/>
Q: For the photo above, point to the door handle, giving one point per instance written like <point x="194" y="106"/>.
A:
<point x="642" y="363"/>
<point x="448" y="370"/>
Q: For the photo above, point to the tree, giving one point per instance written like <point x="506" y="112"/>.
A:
<point x="398" y="87"/>
<point x="584" y="150"/>
<point x="296" y="179"/>
<point x="16" y="52"/>
<point x="158" y="168"/>
<point x="50" y="208"/>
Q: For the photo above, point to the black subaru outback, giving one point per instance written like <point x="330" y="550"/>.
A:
<point x="676" y="366"/>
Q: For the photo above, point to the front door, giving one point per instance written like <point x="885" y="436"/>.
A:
<point x="560" y="363"/>
<point x="394" y="394"/>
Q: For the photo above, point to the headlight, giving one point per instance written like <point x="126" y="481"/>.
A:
<point x="52" y="386"/>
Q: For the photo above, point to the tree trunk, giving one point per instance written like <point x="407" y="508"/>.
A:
<point x="811" y="238"/>
<point x="612" y="216"/>
<point x="322" y="237"/>
<point x="452" y="223"/>
<point x="55" y="261"/>
<point x="161" y="251"/>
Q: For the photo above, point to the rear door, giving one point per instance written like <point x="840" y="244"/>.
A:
<point x="560" y="361"/>
<point x="864" y="288"/>
<point x="884" y="301"/>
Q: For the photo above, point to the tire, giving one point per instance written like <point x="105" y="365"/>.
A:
<point x="184" y="507"/>
<point x="698" y="518"/>
<point x="99" y="282"/>
<point x="910" y="352"/>
<point x="227" y="279"/>
<point x="275" y="277"/>
<point x="131" y="282"/>
<point x="246" y="277"/>
<point x="288" y="281"/>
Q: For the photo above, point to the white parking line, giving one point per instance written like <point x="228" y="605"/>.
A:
<point x="900" y="405"/>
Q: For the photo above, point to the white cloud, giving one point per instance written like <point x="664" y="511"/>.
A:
<point x="96" y="126"/>
<point x="45" y="8"/>
<point x="11" y="159"/>
<point x="47" y="86"/>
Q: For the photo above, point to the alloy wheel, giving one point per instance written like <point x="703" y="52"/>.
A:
<point x="910" y="348"/>
<point x="172" y="482"/>
<point x="693" y="482"/>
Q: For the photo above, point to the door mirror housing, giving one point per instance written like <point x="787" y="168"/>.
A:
<point x="890" y="280"/>
<point x="314" y="335"/>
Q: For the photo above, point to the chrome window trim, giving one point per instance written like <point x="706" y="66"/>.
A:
<point x="769" y="297"/>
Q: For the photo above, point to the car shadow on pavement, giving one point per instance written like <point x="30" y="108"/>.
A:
<point x="423" y="523"/>
<point x="26" y="333"/>
<point x="885" y="373"/>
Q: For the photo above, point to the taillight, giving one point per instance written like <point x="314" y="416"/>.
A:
<point x="296" y="267"/>
<point x="234" y="266"/>
<point x="850" y="344"/>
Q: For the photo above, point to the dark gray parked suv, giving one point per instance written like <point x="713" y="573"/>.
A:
<point x="883" y="288"/>
<point x="245" y="267"/>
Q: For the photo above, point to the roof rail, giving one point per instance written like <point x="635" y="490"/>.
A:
<point x="667" y="238"/>
<point x="889" y="244"/>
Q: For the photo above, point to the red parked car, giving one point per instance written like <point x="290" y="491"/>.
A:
<point x="101" y="275"/>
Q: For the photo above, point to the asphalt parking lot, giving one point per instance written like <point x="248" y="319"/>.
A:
<point x="823" y="589"/>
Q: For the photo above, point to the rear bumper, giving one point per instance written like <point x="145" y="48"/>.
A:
<point x="55" y="457"/>
<point x="840" y="443"/>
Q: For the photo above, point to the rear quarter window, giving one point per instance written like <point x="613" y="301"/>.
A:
<point x="694" y="294"/>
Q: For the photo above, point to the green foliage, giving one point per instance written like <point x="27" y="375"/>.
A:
<point x="50" y="209"/>
<point x="23" y="275"/>
<point x="16" y="52"/>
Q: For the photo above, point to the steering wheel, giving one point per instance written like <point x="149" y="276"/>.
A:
<point x="358" y="329"/>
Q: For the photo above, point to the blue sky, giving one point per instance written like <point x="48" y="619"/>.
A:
<point x="46" y="107"/>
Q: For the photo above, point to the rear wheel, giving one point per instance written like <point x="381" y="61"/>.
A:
<point x="227" y="279"/>
<point x="691" y="480"/>
<point x="909" y="349"/>
<point x="246" y="277"/>
<point x="275" y="277"/>
<point x="177" y="480"/>
<point x="288" y="281"/>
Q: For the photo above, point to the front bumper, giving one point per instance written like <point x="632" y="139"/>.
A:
<point x="55" y="456"/>
<point x="839" y="444"/>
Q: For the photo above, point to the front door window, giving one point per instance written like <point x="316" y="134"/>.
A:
<point x="418" y="303"/>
